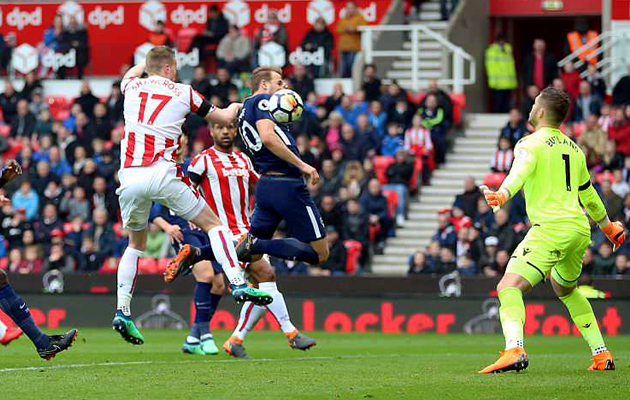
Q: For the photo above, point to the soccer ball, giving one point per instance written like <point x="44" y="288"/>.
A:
<point x="285" y="106"/>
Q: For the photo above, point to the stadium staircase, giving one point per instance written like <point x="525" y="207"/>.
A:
<point x="431" y="51"/>
<point x="471" y="156"/>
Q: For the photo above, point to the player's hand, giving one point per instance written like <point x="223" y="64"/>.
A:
<point x="4" y="201"/>
<point x="615" y="233"/>
<point x="495" y="200"/>
<point x="175" y="234"/>
<point x="193" y="227"/>
<point x="12" y="170"/>
<point x="311" y="173"/>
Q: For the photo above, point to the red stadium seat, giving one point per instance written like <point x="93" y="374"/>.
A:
<point x="162" y="264"/>
<point x="147" y="266"/>
<point x="494" y="180"/>
<point x="4" y="263"/>
<point x="374" y="230"/>
<point x="459" y="104"/>
<point x="110" y="266"/>
<point x="58" y="105"/>
<point x="414" y="184"/>
<point x="353" y="248"/>
<point x="5" y="130"/>
<point x="380" y="167"/>
<point x="118" y="229"/>
<point x="184" y="38"/>
<point x="607" y="175"/>
<point x="392" y="201"/>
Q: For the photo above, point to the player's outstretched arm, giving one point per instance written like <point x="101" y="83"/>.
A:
<point x="135" y="71"/>
<point x="224" y="116"/>
<point x="9" y="172"/>
<point x="595" y="209"/>
<point x="273" y="142"/>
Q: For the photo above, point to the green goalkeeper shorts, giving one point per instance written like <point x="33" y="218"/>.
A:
<point x="546" y="250"/>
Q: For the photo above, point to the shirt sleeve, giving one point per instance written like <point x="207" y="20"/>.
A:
<point x="198" y="104"/>
<point x="125" y="83"/>
<point x="198" y="165"/>
<point x="524" y="165"/>
<point x="253" y="175"/>
<point x="589" y="197"/>
<point x="261" y="109"/>
<point x="156" y="211"/>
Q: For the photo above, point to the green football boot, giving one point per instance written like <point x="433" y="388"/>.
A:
<point x="127" y="329"/>
<point x="208" y="346"/>
<point x="243" y="293"/>
<point x="193" y="348"/>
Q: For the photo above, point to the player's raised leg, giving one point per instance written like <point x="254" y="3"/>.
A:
<point x="208" y="291"/>
<point x="14" y="307"/>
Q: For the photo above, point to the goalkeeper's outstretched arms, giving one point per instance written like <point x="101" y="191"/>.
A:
<point x="523" y="166"/>
<point x="595" y="209"/>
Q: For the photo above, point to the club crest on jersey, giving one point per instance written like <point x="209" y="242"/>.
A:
<point x="235" y="172"/>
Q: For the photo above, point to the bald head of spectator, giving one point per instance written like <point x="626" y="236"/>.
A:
<point x="85" y="88"/>
<point x="22" y="108"/>
<point x="100" y="216"/>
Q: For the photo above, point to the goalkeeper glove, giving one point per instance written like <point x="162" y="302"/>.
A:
<point x="615" y="233"/>
<point x="495" y="200"/>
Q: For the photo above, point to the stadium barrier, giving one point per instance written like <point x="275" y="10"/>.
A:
<point x="341" y="304"/>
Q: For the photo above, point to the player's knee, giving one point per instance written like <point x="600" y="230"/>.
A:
<point x="203" y="272"/>
<point x="218" y="284"/>
<point x="266" y="274"/>
<point x="4" y="278"/>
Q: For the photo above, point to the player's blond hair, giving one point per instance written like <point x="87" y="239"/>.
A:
<point x="157" y="57"/>
<point x="263" y="74"/>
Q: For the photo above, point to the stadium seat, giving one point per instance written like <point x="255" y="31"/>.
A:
<point x="459" y="105"/>
<point x="162" y="263"/>
<point x="374" y="230"/>
<point x="494" y="180"/>
<point x="5" y="130"/>
<point x="118" y="230"/>
<point x="110" y="266"/>
<point x="606" y="175"/>
<point x="147" y="266"/>
<point x="57" y="105"/>
<point x="354" y="249"/>
<point x="392" y="201"/>
<point x="414" y="184"/>
<point x="184" y="38"/>
<point x="4" y="263"/>
<point x="380" y="167"/>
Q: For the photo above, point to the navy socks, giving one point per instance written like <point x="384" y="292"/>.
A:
<point x="13" y="306"/>
<point x="206" y="304"/>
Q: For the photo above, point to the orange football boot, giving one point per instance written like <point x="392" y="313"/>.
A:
<point x="602" y="362"/>
<point x="234" y="347"/>
<point x="10" y="335"/>
<point x="514" y="359"/>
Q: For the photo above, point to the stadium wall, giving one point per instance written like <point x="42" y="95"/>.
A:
<point x="343" y="304"/>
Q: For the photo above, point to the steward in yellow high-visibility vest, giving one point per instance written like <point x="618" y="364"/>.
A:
<point x="501" y="73"/>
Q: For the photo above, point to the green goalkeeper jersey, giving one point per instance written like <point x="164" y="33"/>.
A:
<point x="552" y="171"/>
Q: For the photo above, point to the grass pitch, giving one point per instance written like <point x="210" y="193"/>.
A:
<point x="342" y="366"/>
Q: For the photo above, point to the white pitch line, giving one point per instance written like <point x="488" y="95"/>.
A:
<point x="126" y="363"/>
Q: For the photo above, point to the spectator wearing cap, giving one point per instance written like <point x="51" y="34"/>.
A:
<point x="23" y="124"/>
<point x="399" y="175"/>
<point x="504" y="231"/>
<point x="488" y="259"/>
<point x="445" y="235"/>
<point x="467" y="201"/>
<point x="26" y="198"/>
<point x="418" y="264"/>
<point x="336" y="262"/>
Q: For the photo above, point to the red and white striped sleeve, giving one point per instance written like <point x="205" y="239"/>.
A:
<point x="198" y="165"/>
<point x="253" y="175"/>
<point x="198" y="104"/>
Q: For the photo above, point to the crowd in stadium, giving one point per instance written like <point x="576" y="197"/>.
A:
<point x="374" y="149"/>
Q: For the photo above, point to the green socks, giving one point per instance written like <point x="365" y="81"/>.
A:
<point x="512" y="313"/>
<point x="584" y="318"/>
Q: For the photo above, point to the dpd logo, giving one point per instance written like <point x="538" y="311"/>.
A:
<point x="54" y="61"/>
<point x="103" y="18"/>
<point x="24" y="58"/>
<point x="320" y="8"/>
<point x="284" y="14"/>
<point x="21" y="19"/>
<point x="185" y="17"/>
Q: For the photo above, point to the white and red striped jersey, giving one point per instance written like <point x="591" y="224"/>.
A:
<point x="418" y="140"/>
<point x="154" y="109"/>
<point x="226" y="178"/>
<point x="502" y="160"/>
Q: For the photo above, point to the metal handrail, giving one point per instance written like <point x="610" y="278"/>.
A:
<point x="458" y="79"/>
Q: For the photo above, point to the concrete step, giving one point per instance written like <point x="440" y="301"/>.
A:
<point x="421" y="224"/>
<point x="488" y="120"/>
<point x="423" y="207"/>
<point x="402" y="251"/>
<point x="424" y="45"/>
<point x="422" y="64"/>
<point x="390" y="269"/>
<point x="477" y="141"/>
<point x="422" y="74"/>
<point x="433" y="25"/>
<point x="417" y="234"/>
<point x="430" y="16"/>
<point x="446" y="174"/>
<point x="481" y="151"/>
<point x="453" y="184"/>
<point x="430" y="6"/>
<point x="436" y="190"/>
<point x="419" y="215"/>
<point x="468" y="159"/>
<point x="391" y="259"/>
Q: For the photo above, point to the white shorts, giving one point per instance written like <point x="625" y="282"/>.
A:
<point x="162" y="182"/>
